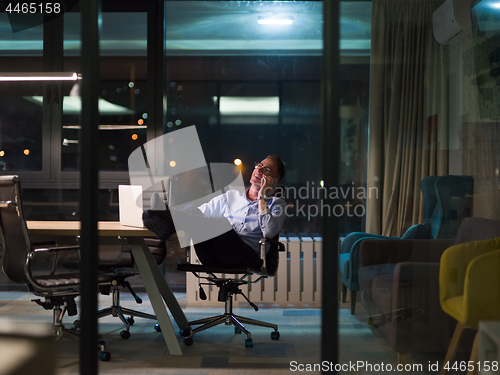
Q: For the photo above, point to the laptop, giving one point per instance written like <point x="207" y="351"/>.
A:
<point x="130" y="205"/>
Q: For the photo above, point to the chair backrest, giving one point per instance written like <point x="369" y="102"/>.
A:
<point x="157" y="248"/>
<point x="445" y="201"/>
<point x="13" y="229"/>
<point x="427" y="186"/>
<point x="477" y="229"/>
<point x="453" y="193"/>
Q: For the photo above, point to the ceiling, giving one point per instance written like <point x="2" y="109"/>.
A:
<point x="212" y="28"/>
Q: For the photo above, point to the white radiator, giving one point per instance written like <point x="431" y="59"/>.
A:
<point x="298" y="278"/>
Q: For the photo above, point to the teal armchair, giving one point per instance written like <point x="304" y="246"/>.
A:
<point x="446" y="202"/>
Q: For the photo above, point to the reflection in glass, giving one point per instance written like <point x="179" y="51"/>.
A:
<point x="123" y="110"/>
<point x="20" y="126"/>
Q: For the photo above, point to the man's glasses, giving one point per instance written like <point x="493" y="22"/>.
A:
<point x="266" y="170"/>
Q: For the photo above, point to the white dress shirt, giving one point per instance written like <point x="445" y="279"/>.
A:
<point x="243" y="214"/>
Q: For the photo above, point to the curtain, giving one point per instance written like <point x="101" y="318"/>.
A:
<point x="408" y="134"/>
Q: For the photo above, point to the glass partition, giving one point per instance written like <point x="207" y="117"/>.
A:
<point x="433" y="171"/>
<point x="418" y="99"/>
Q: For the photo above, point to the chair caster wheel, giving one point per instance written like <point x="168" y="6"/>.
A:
<point x="130" y="321"/>
<point x="248" y="343"/>
<point x="237" y="330"/>
<point x="105" y="356"/>
<point x="275" y="335"/>
<point x="184" y="332"/>
<point x="124" y="334"/>
<point x="157" y="327"/>
<point x="188" y="341"/>
<point x="76" y="324"/>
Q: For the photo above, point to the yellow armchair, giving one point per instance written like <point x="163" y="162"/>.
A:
<point x="469" y="288"/>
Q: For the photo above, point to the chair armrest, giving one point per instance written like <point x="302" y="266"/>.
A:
<point x="412" y="277"/>
<point x="54" y="249"/>
<point x="262" y="251"/>
<point x="349" y="241"/>
<point x="44" y="244"/>
<point x="374" y="252"/>
<point x="421" y="322"/>
<point x="262" y="245"/>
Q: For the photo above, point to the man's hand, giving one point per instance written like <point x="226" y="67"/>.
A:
<point x="267" y="184"/>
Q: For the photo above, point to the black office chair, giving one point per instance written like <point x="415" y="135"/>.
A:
<point x="119" y="270"/>
<point x="229" y="286"/>
<point x="36" y="265"/>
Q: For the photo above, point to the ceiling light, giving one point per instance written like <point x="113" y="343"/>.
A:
<point x="44" y="76"/>
<point x="109" y="127"/>
<point x="72" y="105"/>
<point x="249" y="105"/>
<point x="275" y="20"/>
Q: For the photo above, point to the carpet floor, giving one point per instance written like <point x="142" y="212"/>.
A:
<point x="219" y="350"/>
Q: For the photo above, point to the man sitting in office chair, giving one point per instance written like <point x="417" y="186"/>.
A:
<point x="263" y="214"/>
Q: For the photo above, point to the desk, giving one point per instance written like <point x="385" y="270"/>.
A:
<point x="156" y="286"/>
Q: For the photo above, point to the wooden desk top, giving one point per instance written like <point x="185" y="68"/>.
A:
<point x="72" y="228"/>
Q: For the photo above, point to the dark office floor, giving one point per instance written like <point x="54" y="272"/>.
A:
<point x="218" y="350"/>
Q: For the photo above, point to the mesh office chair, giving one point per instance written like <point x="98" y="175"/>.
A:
<point x="36" y="265"/>
<point x="230" y="286"/>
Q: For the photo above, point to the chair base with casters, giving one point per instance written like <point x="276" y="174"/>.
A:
<point x="119" y="311"/>
<point x="122" y="268"/>
<point x="119" y="270"/>
<point x="68" y="304"/>
<point x="229" y="287"/>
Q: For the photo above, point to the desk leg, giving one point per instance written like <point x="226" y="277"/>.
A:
<point x="156" y="287"/>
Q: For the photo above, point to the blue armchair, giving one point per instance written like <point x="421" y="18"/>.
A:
<point x="446" y="202"/>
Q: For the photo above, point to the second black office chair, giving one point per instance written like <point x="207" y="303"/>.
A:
<point x="122" y="268"/>
<point x="119" y="270"/>
<point x="230" y="286"/>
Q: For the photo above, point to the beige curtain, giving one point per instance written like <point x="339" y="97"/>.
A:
<point x="408" y="137"/>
